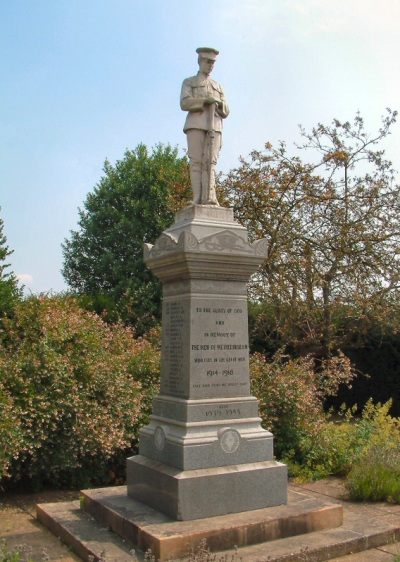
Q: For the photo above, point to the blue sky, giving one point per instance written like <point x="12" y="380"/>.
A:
<point x="83" y="80"/>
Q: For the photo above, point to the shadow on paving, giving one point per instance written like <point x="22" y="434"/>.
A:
<point x="20" y="529"/>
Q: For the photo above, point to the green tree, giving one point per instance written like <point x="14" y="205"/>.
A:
<point x="10" y="293"/>
<point x="133" y="203"/>
<point x="333" y="229"/>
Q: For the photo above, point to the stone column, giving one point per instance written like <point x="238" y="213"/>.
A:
<point x="204" y="452"/>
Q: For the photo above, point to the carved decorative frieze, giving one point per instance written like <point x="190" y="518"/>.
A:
<point x="225" y="242"/>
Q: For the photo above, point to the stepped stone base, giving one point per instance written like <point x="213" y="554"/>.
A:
<point x="193" y="494"/>
<point x="141" y="526"/>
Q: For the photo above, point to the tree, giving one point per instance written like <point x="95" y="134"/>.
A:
<point x="133" y="203"/>
<point x="10" y="293"/>
<point x="333" y="230"/>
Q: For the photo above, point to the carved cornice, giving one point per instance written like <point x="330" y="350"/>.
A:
<point x="223" y="242"/>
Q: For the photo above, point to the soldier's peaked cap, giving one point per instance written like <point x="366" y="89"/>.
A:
<point x="208" y="52"/>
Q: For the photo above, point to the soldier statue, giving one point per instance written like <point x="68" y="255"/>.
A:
<point x="204" y="99"/>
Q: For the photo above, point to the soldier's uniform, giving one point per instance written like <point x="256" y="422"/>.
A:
<point x="203" y="127"/>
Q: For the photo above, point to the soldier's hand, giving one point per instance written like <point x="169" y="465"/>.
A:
<point x="211" y="100"/>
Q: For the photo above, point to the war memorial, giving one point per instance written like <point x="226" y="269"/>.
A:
<point x="204" y="452"/>
<point x="205" y="468"/>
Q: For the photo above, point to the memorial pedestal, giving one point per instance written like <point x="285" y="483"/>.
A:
<point x="204" y="452"/>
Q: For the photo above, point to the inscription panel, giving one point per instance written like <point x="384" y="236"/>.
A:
<point x="205" y="349"/>
<point x="219" y="350"/>
<point x="175" y="343"/>
<point x="218" y="409"/>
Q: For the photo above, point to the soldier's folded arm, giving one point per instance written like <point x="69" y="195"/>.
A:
<point x="192" y="104"/>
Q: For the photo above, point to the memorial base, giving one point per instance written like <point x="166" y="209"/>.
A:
<point x="204" y="452"/>
<point x="114" y="523"/>
<point x="195" y="494"/>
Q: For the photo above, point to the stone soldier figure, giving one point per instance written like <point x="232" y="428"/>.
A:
<point x="204" y="99"/>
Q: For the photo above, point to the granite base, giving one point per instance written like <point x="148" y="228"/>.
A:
<point x="195" y="494"/>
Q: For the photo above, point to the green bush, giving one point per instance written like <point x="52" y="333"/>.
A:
<point x="365" y="449"/>
<point x="375" y="475"/>
<point x="291" y="395"/>
<point x="332" y="450"/>
<point x="10" y="436"/>
<point x="77" y="391"/>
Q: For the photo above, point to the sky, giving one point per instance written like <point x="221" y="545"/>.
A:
<point x="84" y="80"/>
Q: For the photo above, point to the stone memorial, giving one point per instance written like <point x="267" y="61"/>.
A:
<point x="204" y="452"/>
<point x="205" y="469"/>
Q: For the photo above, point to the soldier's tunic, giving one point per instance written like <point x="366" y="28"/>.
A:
<point x="195" y="91"/>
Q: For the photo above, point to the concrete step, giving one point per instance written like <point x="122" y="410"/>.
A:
<point x="88" y="539"/>
<point x="82" y="534"/>
<point x="312" y="520"/>
<point x="355" y="536"/>
<point x="170" y="539"/>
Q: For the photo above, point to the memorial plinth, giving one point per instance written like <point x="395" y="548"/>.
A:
<point x="204" y="452"/>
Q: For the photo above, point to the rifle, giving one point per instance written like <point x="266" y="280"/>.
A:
<point x="211" y="196"/>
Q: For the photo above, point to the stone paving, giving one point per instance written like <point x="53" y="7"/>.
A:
<point x="333" y="488"/>
<point x="18" y="525"/>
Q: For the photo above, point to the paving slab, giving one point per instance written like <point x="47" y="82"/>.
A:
<point x="23" y="532"/>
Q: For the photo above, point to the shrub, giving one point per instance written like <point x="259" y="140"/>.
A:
<point x="332" y="450"/>
<point x="77" y="390"/>
<point x="291" y="395"/>
<point x="375" y="475"/>
<point x="366" y="449"/>
<point x="10" y="436"/>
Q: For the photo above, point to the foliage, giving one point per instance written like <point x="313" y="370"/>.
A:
<point x="376" y="474"/>
<point x="10" y="434"/>
<point x="331" y="450"/>
<point x="291" y="394"/>
<point x="76" y="385"/>
<point x="333" y="234"/>
<point x="133" y="203"/>
<point x="365" y="448"/>
<point x="9" y="291"/>
<point x="21" y="553"/>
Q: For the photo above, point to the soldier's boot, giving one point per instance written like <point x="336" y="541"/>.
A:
<point x="204" y="187"/>
<point x="195" y="180"/>
<point x="210" y="194"/>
